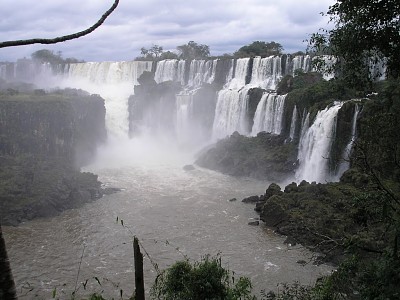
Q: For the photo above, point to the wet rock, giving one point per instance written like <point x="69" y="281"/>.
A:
<point x="251" y="199"/>
<point x="254" y="223"/>
<point x="188" y="167"/>
<point x="111" y="190"/>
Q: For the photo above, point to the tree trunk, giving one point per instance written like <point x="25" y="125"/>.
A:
<point x="7" y="286"/>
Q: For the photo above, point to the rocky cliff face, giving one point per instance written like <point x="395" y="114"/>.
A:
<point x="44" y="140"/>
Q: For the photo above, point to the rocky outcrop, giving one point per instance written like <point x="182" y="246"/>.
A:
<point x="44" y="139"/>
<point x="322" y="217"/>
<point x="265" y="156"/>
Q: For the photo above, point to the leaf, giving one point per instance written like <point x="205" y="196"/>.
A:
<point x="54" y="292"/>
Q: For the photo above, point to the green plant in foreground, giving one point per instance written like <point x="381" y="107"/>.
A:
<point x="206" y="279"/>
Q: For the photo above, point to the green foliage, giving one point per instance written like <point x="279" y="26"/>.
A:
<point x="206" y="279"/>
<point x="193" y="50"/>
<point x="153" y="53"/>
<point x="47" y="56"/>
<point x="265" y="156"/>
<point x="364" y="31"/>
<point x="259" y="48"/>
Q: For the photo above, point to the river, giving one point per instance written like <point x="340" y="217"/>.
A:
<point x="174" y="213"/>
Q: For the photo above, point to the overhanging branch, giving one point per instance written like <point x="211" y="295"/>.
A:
<point x="65" y="37"/>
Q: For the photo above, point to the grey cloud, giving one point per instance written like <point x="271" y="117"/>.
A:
<point x="225" y="25"/>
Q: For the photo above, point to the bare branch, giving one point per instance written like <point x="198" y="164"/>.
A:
<point x="62" y="38"/>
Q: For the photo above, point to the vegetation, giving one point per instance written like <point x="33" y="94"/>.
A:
<point x="47" y="56"/>
<point x="193" y="50"/>
<point x="152" y="53"/>
<point x="259" y="48"/>
<point x="364" y="32"/>
<point x="206" y="279"/>
<point x="265" y="156"/>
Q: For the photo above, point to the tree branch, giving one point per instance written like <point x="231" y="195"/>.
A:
<point x="62" y="38"/>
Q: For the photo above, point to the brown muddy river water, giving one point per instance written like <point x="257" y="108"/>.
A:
<point x="174" y="213"/>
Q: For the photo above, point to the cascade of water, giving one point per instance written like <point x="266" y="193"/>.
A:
<point x="183" y="113"/>
<point x="345" y="163"/>
<point x="166" y="70"/>
<point x="269" y="113"/>
<point x="305" y="123"/>
<point x="231" y="108"/>
<point x="239" y="78"/>
<point x="315" y="145"/>
<point x="230" y="113"/>
<point x="201" y="71"/>
<point x="293" y="124"/>
<point x="301" y="62"/>
<point x="114" y="81"/>
<point x="266" y="72"/>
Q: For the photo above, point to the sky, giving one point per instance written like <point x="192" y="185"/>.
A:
<point x="223" y="25"/>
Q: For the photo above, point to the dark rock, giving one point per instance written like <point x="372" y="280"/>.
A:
<point x="111" y="190"/>
<point x="259" y="206"/>
<point x="254" y="223"/>
<point x="188" y="167"/>
<point x="44" y="139"/>
<point x="301" y="262"/>
<point x="290" y="240"/>
<point x="251" y="199"/>
<point x="233" y="199"/>
<point x="265" y="156"/>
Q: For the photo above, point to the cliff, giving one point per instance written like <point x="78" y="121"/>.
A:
<point x="44" y="139"/>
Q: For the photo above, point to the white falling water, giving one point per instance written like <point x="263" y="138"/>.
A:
<point x="231" y="108"/>
<point x="114" y="81"/>
<point x="167" y="70"/>
<point x="201" y="71"/>
<point x="230" y="113"/>
<point x="293" y="124"/>
<point x="345" y="164"/>
<point x="301" y="62"/>
<point x="315" y="145"/>
<point x="266" y="72"/>
<point x="183" y="113"/>
<point x="269" y="114"/>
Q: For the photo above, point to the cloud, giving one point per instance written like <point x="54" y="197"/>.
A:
<point x="224" y="25"/>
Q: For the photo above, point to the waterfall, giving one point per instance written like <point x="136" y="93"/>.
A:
<point x="230" y="113"/>
<point x="183" y="114"/>
<point x="301" y="62"/>
<point x="266" y="72"/>
<point x="231" y="108"/>
<point x="293" y="124"/>
<point x="114" y="81"/>
<point x="169" y="70"/>
<point x="201" y="71"/>
<point x="315" y="145"/>
<point x="269" y="114"/>
<point x="345" y="163"/>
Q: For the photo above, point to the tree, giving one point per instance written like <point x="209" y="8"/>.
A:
<point x="206" y="279"/>
<point x="192" y="50"/>
<point x="363" y="31"/>
<point x="168" y="55"/>
<point x="48" y="56"/>
<point x="7" y="286"/>
<point x="259" y="48"/>
<point x="152" y="53"/>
